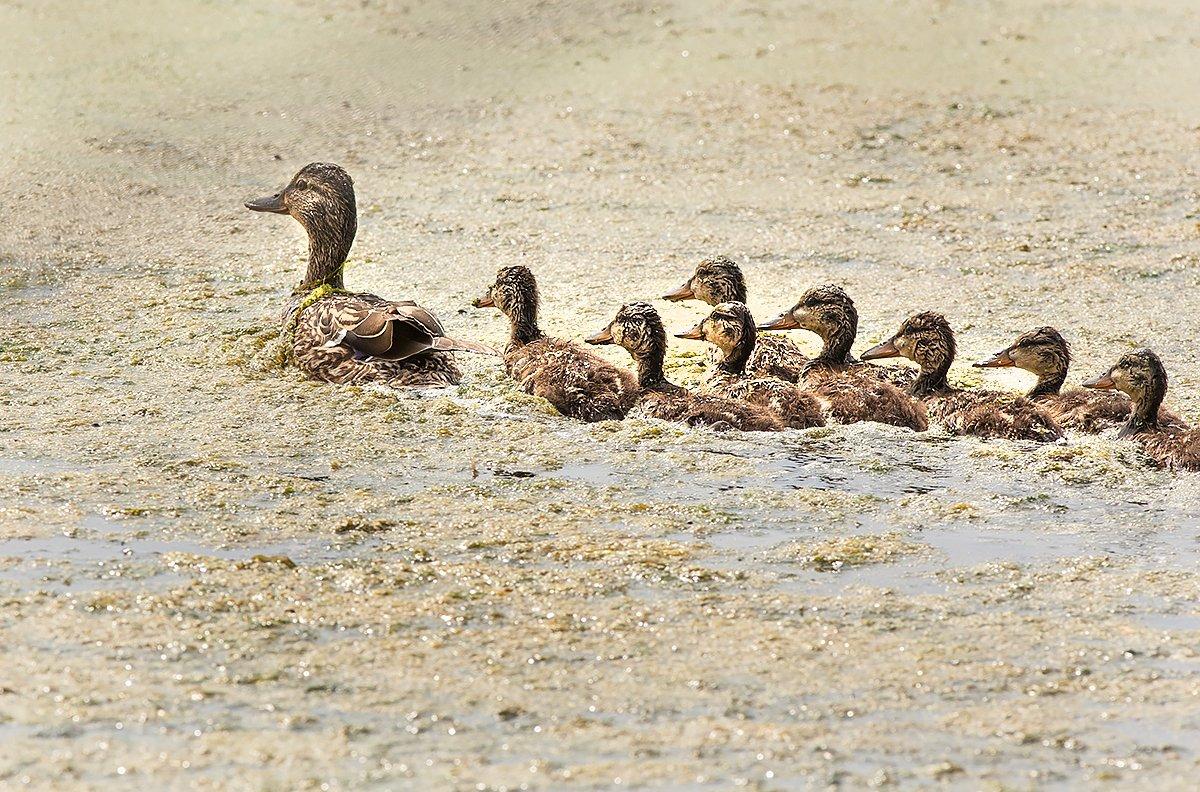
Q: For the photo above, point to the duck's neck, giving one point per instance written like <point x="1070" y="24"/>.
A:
<point x="836" y="349"/>
<point x="1144" y="414"/>
<point x="650" y="369"/>
<point x="932" y="379"/>
<point x="736" y="357"/>
<point x="1049" y="383"/>
<point x="523" y="321"/>
<point x="329" y="239"/>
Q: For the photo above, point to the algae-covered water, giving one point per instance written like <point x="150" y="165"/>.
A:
<point x="216" y="574"/>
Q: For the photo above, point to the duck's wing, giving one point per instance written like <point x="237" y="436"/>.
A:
<point x="395" y="330"/>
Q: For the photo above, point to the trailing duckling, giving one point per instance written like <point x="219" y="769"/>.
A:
<point x="578" y="383"/>
<point x="730" y="328"/>
<point x="720" y="280"/>
<point x="1047" y="354"/>
<point x="639" y="329"/>
<point x="345" y="337"/>
<point x="849" y="390"/>
<point x="927" y="340"/>
<point x="1140" y="376"/>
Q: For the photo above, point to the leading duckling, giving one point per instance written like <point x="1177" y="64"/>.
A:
<point x="578" y="383"/>
<point x="344" y="337"/>
<point x="638" y="328"/>
<point x="720" y="280"/>
<point x="730" y="328"/>
<point x="927" y="340"/>
<point x="850" y="391"/>
<point x="1047" y="354"/>
<point x="1140" y="376"/>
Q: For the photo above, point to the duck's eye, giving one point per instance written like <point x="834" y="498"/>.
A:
<point x="302" y="185"/>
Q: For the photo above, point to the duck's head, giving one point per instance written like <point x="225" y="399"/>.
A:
<point x="729" y="327"/>
<point x="716" y="280"/>
<point x="924" y="338"/>
<point x="1042" y="351"/>
<point x="638" y="328"/>
<point x="826" y="310"/>
<point x="515" y="289"/>
<point x="1138" y="374"/>
<point x="320" y="197"/>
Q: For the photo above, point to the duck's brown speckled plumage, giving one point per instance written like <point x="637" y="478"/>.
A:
<point x="730" y="327"/>
<point x="1047" y="354"/>
<point x="578" y="383"/>
<point x="638" y="328"/>
<point x="342" y="337"/>
<point x="927" y="340"/>
<point x="719" y="280"/>
<point x="1140" y="375"/>
<point x="849" y="391"/>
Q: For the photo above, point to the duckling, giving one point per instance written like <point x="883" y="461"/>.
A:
<point x="578" y="383"/>
<point x="927" y="340"/>
<point x="345" y="337"/>
<point x="849" y="390"/>
<point x="1048" y="355"/>
<point x="730" y="327"/>
<point x="719" y="280"/>
<point x="638" y="328"/>
<point x="1140" y="376"/>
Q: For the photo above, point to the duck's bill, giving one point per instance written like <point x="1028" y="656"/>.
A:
<point x="998" y="360"/>
<point x="785" y="321"/>
<point x="885" y="350"/>
<point x="603" y="337"/>
<point x="1102" y="382"/>
<point x="694" y="334"/>
<point x="484" y="301"/>
<point x="271" y="203"/>
<point x="684" y="292"/>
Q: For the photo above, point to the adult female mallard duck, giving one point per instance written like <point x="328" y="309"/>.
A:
<point x="730" y="328"/>
<point x="1047" y="354"/>
<point x="720" y="280"/>
<point x="639" y="329"/>
<point x="345" y="337"/>
<point x="850" y="391"/>
<point x="578" y="383"/>
<point x="927" y="340"/>
<point x="1140" y="376"/>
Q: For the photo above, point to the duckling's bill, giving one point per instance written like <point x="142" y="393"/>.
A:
<point x="785" y="321"/>
<point x="684" y="292"/>
<point x="605" y="336"/>
<point x="1102" y="382"/>
<point x="1001" y="359"/>
<point x="695" y="334"/>
<point x="885" y="350"/>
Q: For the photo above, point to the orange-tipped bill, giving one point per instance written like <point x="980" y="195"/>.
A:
<point x="603" y="337"/>
<point x="684" y="292"/>
<point x="998" y="360"/>
<point x="484" y="301"/>
<point x="885" y="350"/>
<point x="1102" y="382"/>
<point x="694" y="334"/>
<point x="785" y="321"/>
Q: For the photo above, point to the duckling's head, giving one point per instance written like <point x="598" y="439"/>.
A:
<point x="924" y="338"/>
<point x="1138" y="374"/>
<point x="320" y="196"/>
<point x="1042" y="351"/>
<point x="716" y="280"/>
<point x="638" y="328"/>
<point x="729" y="326"/>
<point x="514" y="290"/>
<point x="826" y="310"/>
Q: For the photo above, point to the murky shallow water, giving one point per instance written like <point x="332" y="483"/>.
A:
<point x="213" y="573"/>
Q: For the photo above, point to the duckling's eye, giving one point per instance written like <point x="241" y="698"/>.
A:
<point x="302" y="185"/>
